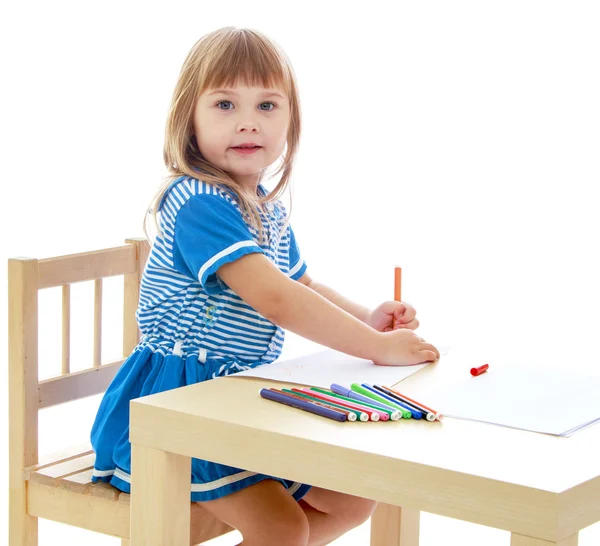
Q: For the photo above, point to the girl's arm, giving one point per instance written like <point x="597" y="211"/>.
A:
<point x="303" y="311"/>
<point x="387" y="316"/>
<point x="356" y="310"/>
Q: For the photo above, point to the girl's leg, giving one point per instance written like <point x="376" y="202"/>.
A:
<point x="331" y="514"/>
<point x="264" y="513"/>
<point x="267" y="515"/>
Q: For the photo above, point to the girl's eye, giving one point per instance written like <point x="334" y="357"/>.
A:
<point x="273" y="105"/>
<point x="270" y="109"/>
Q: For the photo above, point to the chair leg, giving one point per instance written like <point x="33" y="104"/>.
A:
<point x="23" y="529"/>
<point x="394" y="526"/>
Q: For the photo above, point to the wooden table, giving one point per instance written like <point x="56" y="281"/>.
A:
<point x="541" y="488"/>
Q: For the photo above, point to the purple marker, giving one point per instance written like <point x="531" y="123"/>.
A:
<point x="301" y="404"/>
<point x="349" y="393"/>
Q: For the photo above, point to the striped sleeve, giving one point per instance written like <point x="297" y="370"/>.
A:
<point x="297" y="265"/>
<point x="210" y="232"/>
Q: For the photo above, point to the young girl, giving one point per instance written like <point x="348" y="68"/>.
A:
<point x="225" y="277"/>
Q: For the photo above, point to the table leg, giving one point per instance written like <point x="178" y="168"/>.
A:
<point x="394" y="526"/>
<point x="160" y="497"/>
<point x="520" y="540"/>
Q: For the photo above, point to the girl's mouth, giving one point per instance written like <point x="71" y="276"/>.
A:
<point x="247" y="151"/>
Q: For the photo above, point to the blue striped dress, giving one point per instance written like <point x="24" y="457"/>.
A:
<point x="193" y="326"/>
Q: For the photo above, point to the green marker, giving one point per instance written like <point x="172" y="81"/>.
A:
<point x="394" y="415"/>
<point x="366" y="392"/>
<point x="360" y="415"/>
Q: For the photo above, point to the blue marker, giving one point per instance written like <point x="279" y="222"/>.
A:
<point x="415" y="414"/>
<point x="349" y="393"/>
<point x="427" y="414"/>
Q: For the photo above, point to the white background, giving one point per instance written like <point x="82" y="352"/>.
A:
<point x="457" y="139"/>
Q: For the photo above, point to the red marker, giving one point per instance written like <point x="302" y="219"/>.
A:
<point x="480" y="370"/>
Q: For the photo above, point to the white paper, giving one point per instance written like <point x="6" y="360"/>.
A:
<point x="534" y="398"/>
<point x="323" y="368"/>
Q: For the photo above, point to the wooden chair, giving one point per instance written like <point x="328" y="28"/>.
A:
<point x="60" y="488"/>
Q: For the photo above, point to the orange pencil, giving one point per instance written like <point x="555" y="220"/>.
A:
<point x="397" y="289"/>
<point x="398" y="284"/>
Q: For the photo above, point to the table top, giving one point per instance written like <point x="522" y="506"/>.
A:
<point x="408" y="462"/>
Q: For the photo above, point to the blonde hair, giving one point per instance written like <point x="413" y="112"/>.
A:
<point x="225" y="58"/>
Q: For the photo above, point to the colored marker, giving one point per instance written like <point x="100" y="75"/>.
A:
<point x="480" y="370"/>
<point x="351" y="415"/>
<point x="361" y="415"/>
<point x="319" y="400"/>
<point x="415" y="414"/>
<point x="427" y="414"/>
<point x="384" y="415"/>
<point x="375" y="396"/>
<point x="393" y="412"/>
<point x="301" y="404"/>
<point x="372" y="415"/>
<point x="438" y="415"/>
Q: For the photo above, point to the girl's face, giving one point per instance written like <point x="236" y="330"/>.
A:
<point x="225" y="119"/>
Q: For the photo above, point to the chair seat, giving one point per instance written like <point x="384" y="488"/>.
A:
<point x="69" y="478"/>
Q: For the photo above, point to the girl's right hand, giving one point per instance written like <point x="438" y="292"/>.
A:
<point x="403" y="348"/>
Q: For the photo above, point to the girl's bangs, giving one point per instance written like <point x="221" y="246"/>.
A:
<point x="249" y="63"/>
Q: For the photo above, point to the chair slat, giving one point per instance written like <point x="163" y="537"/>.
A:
<point x="87" y="266"/>
<point x="65" y="454"/>
<point x="76" y="385"/>
<point x="106" y="491"/>
<point x="80" y="483"/>
<point x="84" y="477"/>
<point x="65" y="468"/>
<point x="97" y="323"/>
<point x="66" y="329"/>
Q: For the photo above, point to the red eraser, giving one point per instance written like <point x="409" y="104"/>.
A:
<point x="480" y="370"/>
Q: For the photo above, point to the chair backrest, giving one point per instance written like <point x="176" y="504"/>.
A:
<point x="27" y="395"/>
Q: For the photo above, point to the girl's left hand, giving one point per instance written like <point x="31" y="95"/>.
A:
<point x="392" y="315"/>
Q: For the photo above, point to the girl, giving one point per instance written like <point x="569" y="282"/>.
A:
<point x="225" y="277"/>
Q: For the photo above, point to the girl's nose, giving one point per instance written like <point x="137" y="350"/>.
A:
<point x="248" y="126"/>
<point x="248" y="122"/>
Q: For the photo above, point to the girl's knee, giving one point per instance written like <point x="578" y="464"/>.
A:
<point x="264" y="513"/>
<point x="359" y="511"/>
<point x="291" y="530"/>
<point x="294" y="530"/>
